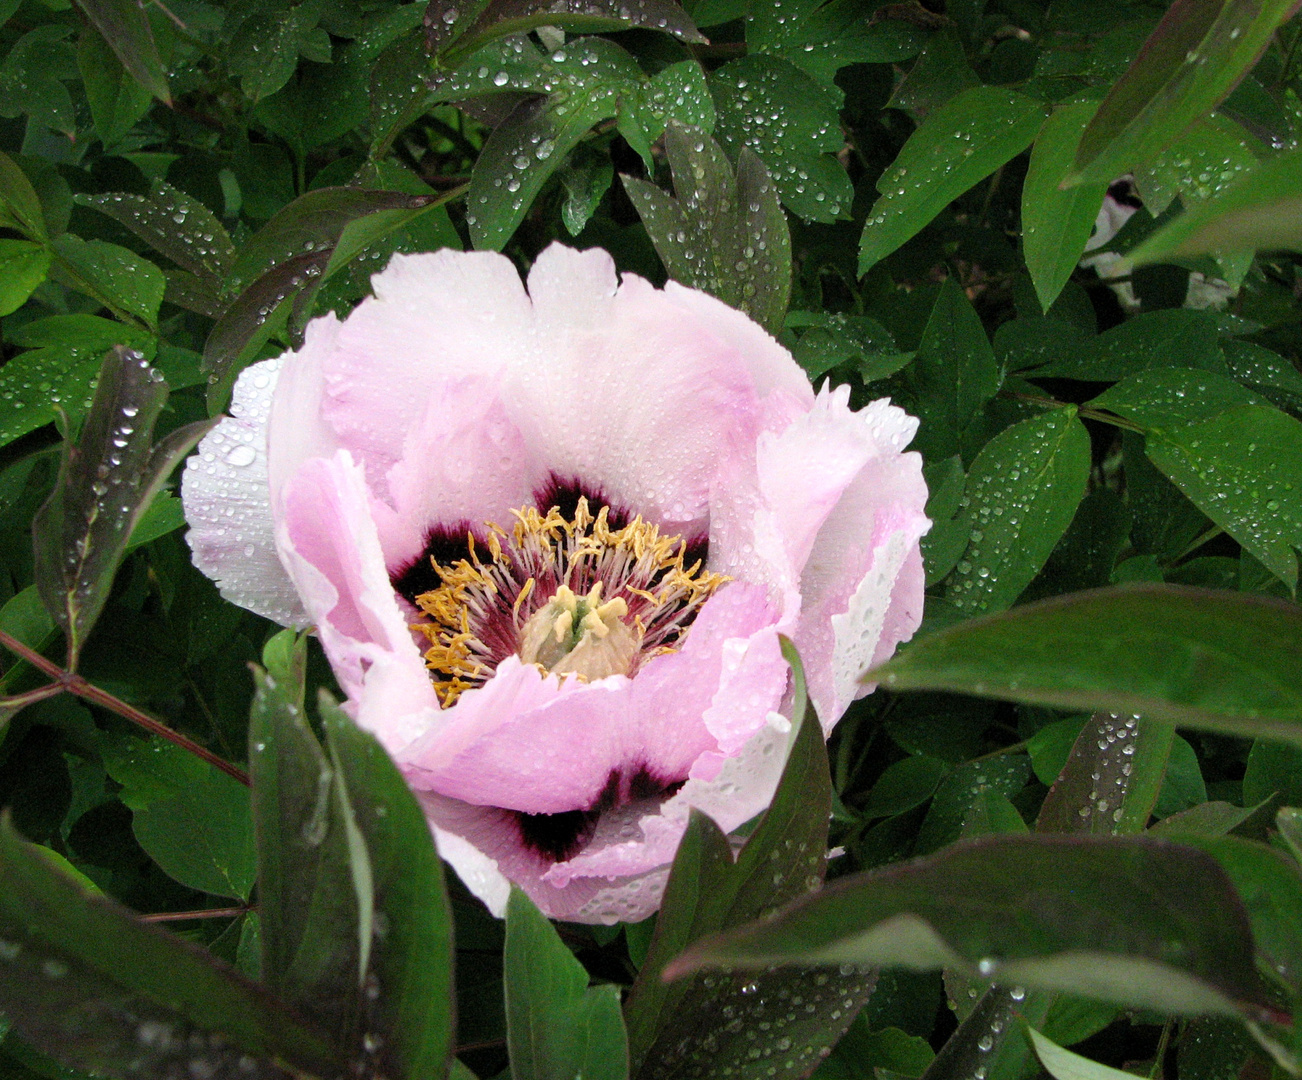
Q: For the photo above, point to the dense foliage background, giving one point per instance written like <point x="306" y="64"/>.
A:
<point x="903" y="193"/>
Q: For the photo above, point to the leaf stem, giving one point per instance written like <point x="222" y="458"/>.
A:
<point x="75" y="684"/>
<point x="1196" y="543"/>
<point x="1083" y="411"/>
<point x="209" y="913"/>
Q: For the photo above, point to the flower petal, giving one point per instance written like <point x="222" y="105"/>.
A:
<point x="227" y="503"/>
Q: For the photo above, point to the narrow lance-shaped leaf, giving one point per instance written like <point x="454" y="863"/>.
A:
<point x="557" y="1027"/>
<point x="1212" y="660"/>
<point x="1138" y="922"/>
<point x="1190" y="62"/>
<point x="107" y="481"/>
<point x="717" y="1021"/>
<point x="85" y="981"/>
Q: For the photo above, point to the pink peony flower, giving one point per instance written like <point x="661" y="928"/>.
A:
<point x="549" y="540"/>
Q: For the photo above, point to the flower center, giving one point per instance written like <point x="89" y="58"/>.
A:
<point x="539" y="592"/>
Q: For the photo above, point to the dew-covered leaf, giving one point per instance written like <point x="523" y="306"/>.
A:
<point x="410" y="1022"/>
<point x="116" y="98"/>
<point x="961" y="791"/>
<point x="38" y="382"/>
<point x="678" y="94"/>
<point x="1112" y="777"/>
<point x="263" y="53"/>
<point x="31" y="79"/>
<point x="820" y="39"/>
<point x="1139" y="922"/>
<point x="88" y="983"/>
<point x="1153" y="339"/>
<point x="557" y="1026"/>
<point x="748" y="1023"/>
<point x="1202" y="163"/>
<point x="107" y="481"/>
<point x="1242" y="468"/>
<point x="955" y="147"/>
<point x="1263" y="209"/>
<point x="456" y="37"/>
<point x="174" y="224"/>
<point x="124" y="26"/>
<point x="126" y="284"/>
<point x="953" y="374"/>
<point x="23" y="266"/>
<point x="1021" y="494"/>
<point x="1056" y="224"/>
<point x="586" y="78"/>
<point x="1212" y="660"/>
<point x="728" y="238"/>
<point x="192" y="819"/>
<point x="1190" y="62"/>
<point x="1160" y="397"/>
<point x="791" y="122"/>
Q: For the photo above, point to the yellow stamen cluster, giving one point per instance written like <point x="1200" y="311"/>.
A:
<point x="538" y="594"/>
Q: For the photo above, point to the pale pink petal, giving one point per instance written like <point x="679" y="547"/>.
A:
<point x="227" y="503"/>
<point x="328" y="542"/>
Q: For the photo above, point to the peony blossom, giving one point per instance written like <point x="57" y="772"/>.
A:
<point x="549" y="540"/>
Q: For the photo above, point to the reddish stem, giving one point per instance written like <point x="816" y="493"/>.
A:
<point x="210" y="913"/>
<point x="75" y="684"/>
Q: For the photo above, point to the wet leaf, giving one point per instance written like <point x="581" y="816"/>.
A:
<point x="124" y="26"/>
<point x="823" y="38"/>
<point x="557" y="1026"/>
<point x="90" y="984"/>
<point x="954" y="148"/>
<point x="1201" y="164"/>
<point x="1160" y="397"/>
<point x="1021" y="494"/>
<point x="678" y="94"/>
<point x="790" y="121"/>
<point x="129" y="286"/>
<point x="1056" y="224"/>
<point x="1153" y="339"/>
<point x="1216" y="661"/>
<point x="1263" y="209"/>
<point x="23" y="266"/>
<point x="107" y="481"/>
<point x="727" y="238"/>
<point x="1190" y="62"/>
<point x="1139" y="922"/>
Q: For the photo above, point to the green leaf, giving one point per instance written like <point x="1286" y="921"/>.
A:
<point x="1155" y="339"/>
<point x="1022" y="492"/>
<point x="678" y="94"/>
<point x="557" y="1027"/>
<point x="960" y="792"/>
<point x="31" y="79"/>
<point x="264" y="52"/>
<point x="116" y="99"/>
<point x="1138" y="922"/>
<point x="820" y="39"/>
<point x="87" y="982"/>
<point x="1199" y="165"/>
<point x="1064" y="1065"/>
<point x="954" y="148"/>
<point x="411" y="957"/>
<point x="588" y="77"/>
<point x="1216" y="661"/>
<point x="1162" y="397"/>
<point x="1190" y="62"/>
<point x="1240" y="468"/>
<point x="174" y="224"/>
<point x="129" y="286"/>
<point x="306" y="889"/>
<point x="125" y="27"/>
<point x="717" y="1021"/>
<point x="727" y="238"/>
<point x="904" y="785"/>
<point x="107" y="481"/>
<point x="1111" y="780"/>
<point x="1056" y="224"/>
<point x="1263" y="209"/>
<point x="20" y="206"/>
<point x="953" y="375"/>
<point x="791" y="122"/>
<point x="191" y="818"/>
<point x="23" y="266"/>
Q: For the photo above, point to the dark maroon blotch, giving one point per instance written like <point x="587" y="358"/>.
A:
<point x="565" y="496"/>
<point x="446" y="544"/>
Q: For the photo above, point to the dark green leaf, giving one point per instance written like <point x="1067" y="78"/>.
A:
<point x="955" y="147"/>
<point x="107" y="481"/>
<point x="678" y="94"/>
<point x="953" y="374"/>
<point x="728" y="239"/>
<point x="124" y="25"/>
<point x="20" y="207"/>
<point x="1151" y="340"/>
<point x="129" y="286"/>
<point x="557" y="1027"/>
<point x="1056" y="224"/>
<point x="790" y="121"/>
<point x="87" y="982"/>
<point x="117" y="100"/>
<point x="1211" y="660"/>
<point x="1197" y="54"/>
<point x="904" y="785"/>
<point x="1022" y="492"/>
<point x="23" y="266"/>
<point x="1161" y="397"/>
<point x="1139" y="922"/>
